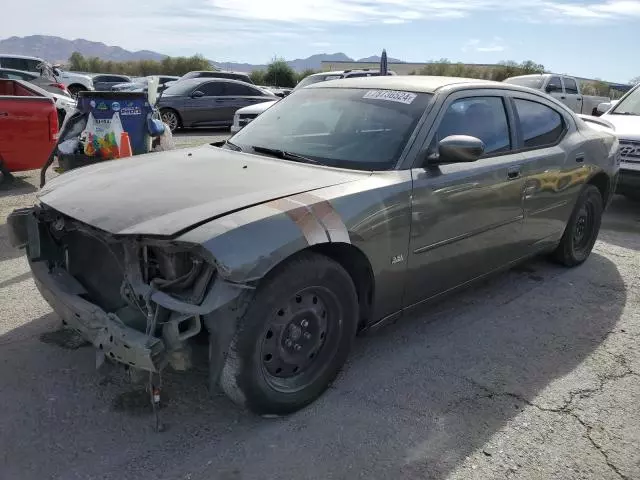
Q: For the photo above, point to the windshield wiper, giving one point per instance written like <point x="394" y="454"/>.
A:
<point x="284" y="155"/>
<point x="625" y="113"/>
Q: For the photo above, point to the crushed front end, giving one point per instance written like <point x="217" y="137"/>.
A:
<point x="138" y="301"/>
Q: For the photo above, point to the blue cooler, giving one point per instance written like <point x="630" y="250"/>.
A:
<point x="133" y="108"/>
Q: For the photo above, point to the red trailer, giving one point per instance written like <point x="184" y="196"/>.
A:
<point x="28" y="126"/>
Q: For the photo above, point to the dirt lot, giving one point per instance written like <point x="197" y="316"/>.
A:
<point x="533" y="375"/>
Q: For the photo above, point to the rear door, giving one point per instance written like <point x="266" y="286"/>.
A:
<point x="553" y="166"/>
<point x="466" y="217"/>
<point x="237" y="95"/>
<point x="573" y="100"/>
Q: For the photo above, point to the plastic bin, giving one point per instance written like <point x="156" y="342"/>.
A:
<point x="133" y="108"/>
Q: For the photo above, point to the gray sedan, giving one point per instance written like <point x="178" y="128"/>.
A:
<point x="339" y="209"/>
<point x="208" y="102"/>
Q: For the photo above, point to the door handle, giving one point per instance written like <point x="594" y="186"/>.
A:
<point x="513" y="172"/>
<point x="579" y="98"/>
<point x="562" y="97"/>
<point x="4" y="114"/>
<point x="580" y="158"/>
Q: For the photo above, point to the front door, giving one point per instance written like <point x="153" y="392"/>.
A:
<point x="573" y="100"/>
<point x="466" y="217"/>
<point x="206" y="109"/>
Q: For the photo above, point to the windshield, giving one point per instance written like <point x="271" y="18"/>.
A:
<point x="531" y="82"/>
<point x="629" y="105"/>
<point x="315" y="79"/>
<point x="349" y="128"/>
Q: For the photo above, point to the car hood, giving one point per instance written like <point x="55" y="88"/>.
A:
<point x="257" y="108"/>
<point x="167" y="193"/>
<point x="627" y="126"/>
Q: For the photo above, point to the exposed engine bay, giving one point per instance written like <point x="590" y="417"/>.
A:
<point x="137" y="300"/>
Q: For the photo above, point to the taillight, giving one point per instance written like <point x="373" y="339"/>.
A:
<point x="53" y="126"/>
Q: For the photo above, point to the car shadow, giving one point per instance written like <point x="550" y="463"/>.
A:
<point x="621" y="218"/>
<point x="415" y="399"/>
<point x="16" y="185"/>
<point x="7" y="252"/>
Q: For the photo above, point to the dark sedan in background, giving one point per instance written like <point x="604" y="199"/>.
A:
<point x="104" y="83"/>
<point x="208" y="102"/>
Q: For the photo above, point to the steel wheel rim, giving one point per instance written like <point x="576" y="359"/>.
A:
<point x="584" y="226"/>
<point x="300" y="338"/>
<point x="170" y="119"/>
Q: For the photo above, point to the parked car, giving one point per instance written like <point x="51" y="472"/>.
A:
<point x="564" y="88"/>
<point x="201" y="102"/>
<point x="139" y="84"/>
<point x="52" y="86"/>
<point x="75" y="82"/>
<point x="245" y="115"/>
<point x="339" y="209"/>
<point x="624" y="115"/>
<point x="28" y="126"/>
<point x="241" y="76"/>
<point x="104" y="82"/>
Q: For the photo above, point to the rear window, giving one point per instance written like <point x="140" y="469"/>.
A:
<point x="531" y="82"/>
<point x="182" y="87"/>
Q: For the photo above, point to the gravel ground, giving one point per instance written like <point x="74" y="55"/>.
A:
<point x="532" y="375"/>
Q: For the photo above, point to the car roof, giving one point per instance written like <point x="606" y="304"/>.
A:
<point x="412" y="83"/>
<point x="25" y="57"/>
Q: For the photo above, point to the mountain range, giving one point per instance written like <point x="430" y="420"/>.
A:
<point x="58" y="50"/>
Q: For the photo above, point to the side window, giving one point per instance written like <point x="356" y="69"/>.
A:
<point x="237" y="90"/>
<point x="541" y="126"/>
<point x="100" y="78"/>
<point x="554" y="85"/>
<point x="481" y="117"/>
<point x="212" y="89"/>
<point x="15" y="63"/>
<point x="570" y="86"/>
<point x="32" y="65"/>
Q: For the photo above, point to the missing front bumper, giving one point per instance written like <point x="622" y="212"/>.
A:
<point x="104" y="330"/>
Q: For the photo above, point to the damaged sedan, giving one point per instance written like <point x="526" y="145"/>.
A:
<point x="342" y="207"/>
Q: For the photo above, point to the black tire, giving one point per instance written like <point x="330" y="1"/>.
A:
<point x="171" y="118"/>
<point x="276" y="364"/>
<point x="74" y="89"/>
<point x="582" y="229"/>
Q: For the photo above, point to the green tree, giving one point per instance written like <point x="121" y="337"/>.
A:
<point x="257" y="77"/>
<point x="280" y="74"/>
<point x="140" y="68"/>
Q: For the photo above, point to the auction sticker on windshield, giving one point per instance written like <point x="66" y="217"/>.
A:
<point x="391" y="96"/>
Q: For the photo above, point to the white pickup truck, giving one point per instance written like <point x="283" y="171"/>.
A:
<point x="75" y="82"/>
<point x="563" y="88"/>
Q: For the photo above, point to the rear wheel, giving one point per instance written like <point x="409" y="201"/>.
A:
<point x="171" y="118"/>
<point x="582" y="230"/>
<point x="293" y="338"/>
<point x="75" y="89"/>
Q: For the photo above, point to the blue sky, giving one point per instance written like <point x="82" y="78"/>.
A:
<point x="596" y="38"/>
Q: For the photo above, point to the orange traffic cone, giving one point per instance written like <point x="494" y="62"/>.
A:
<point x="125" y="145"/>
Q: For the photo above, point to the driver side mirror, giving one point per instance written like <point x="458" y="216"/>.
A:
<point x="603" y="107"/>
<point x="197" y="94"/>
<point x="457" y="149"/>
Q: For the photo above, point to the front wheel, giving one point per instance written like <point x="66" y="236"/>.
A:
<point x="582" y="230"/>
<point x="293" y="338"/>
<point x="171" y="118"/>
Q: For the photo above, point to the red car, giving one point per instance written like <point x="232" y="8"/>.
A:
<point x="28" y="126"/>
